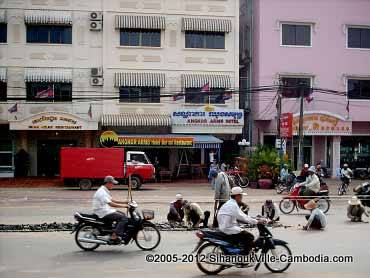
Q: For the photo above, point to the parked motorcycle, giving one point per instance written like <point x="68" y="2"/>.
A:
<point x="91" y="231"/>
<point x="295" y="200"/>
<point x="361" y="173"/>
<point x="215" y="243"/>
<point x="362" y="191"/>
<point x="238" y="178"/>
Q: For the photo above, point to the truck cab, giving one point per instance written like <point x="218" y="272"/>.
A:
<point x="139" y="167"/>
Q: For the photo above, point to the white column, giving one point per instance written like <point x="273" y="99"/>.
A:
<point x="202" y="156"/>
<point x="336" y="154"/>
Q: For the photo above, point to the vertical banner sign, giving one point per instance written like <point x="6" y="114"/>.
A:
<point x="286" y="125"/>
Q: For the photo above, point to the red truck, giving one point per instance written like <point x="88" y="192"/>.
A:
<point x="89" y="166"/>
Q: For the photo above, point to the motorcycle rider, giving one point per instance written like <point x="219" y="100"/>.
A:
<point x="104" y="206"/>
<point x="346" y="174"/>
<point x="304" y="171"/>
<point x="284" y="173"/>
<point x="312" y="183"/>
<point x="229" y="215"/>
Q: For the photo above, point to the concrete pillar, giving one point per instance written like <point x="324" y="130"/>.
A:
<point x="336" y="155"/>
<point x="202" y="156"/>
<point x="87" y="139"/>
<point x="23" y="142"/>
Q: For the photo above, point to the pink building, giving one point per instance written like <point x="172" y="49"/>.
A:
<point x="325" y="44"/>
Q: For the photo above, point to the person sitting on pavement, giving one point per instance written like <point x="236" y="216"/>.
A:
<point x="317" y="219"/>
<point x="104" y="206"/>
<point x="270" y="211"/>
<point x="284" y="173"/>
<point x="355" y="210"/>
<point x="176" y="213"/>
<point x="312" y="183"/>
<point x="230" y="214"/>
<point x="194" y="215"/>
<point x="222" y="193"/>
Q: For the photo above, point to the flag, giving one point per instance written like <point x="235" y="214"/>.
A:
<point x="178" y="97"/>
<point x="14" y="108"/>
<point x="90" y="112"/>
<point x="227" y="96"/>
<point x="205" y="88"/>
<point x="347" y="108"/>
<point x="47" y="93"/>
<point x="309" y="97"/>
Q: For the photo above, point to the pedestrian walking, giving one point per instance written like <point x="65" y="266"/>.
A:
<point x="222" y="194"/>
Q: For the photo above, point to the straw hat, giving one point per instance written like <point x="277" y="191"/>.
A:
<point x="312" y="204"/>
<point x="354" y="201"/>
<point x="237" y="191"/>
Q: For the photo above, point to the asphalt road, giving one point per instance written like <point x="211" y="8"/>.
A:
<point x="56" y="254"/>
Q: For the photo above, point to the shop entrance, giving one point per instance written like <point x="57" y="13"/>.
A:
<point x="48" y="156"/>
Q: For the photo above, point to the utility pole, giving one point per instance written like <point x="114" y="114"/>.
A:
<point x="300" y="131"/>
<point x="278" y="108"/>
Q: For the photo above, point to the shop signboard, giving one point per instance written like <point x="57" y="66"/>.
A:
<point x="286" y="125"/>
<point x="322" y="123"/>
<point x="111" y="139"/>
<point x="207" y="119"/>
<point x="53" y="121"/>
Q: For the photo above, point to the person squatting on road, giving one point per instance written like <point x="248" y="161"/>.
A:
<point x="270" y="211"/>
<point x="230" y="214"/>
<point x="355" y="210"/>
<point x="317" y="219"/>
<point x="104" y="207"/>
<point x="194" y="215"/>
<point x="222" y="193"/>
<point x="312" y="183"/>
<point x="176" y="213"/>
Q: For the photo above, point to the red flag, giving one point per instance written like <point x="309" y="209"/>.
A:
<point x="205" y="88"/>
<point x="309" y="98"/>
<point x="14" y="108"/>
<point x="48" y="93"/>
<point x="178" y="97"/>
<point x="90" y="112"/>
<point x="347" y="107"/>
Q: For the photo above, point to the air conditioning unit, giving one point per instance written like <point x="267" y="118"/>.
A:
<point x="97" y="72"/>
<point x="96" y="25"/>
<point x="96" y="16"/>
<point x="96" y="81"/>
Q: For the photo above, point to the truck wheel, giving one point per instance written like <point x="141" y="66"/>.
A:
<point x="85" y="184"/>
<point x="135" y="183"/>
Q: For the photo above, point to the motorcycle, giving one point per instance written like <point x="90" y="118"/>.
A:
<point x="91" y="232"/>
<point x="215" y="243"/>
<point x="283" y="186"/>
<point x="238" y="178"/>
<point x="362" y="191"/>
<point x="361" y="173"/>
<point x="295" y="200"/>
<point x="343" y="187"/>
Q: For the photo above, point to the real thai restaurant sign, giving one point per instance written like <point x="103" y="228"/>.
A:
<point x="321" y="123"/>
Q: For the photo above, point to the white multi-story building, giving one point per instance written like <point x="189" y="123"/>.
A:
<point x="148" y="60"/>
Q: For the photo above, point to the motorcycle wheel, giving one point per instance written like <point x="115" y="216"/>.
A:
<point x="340" y="190"/>
<point x="148" y="238"/>
<point x="208" y="268"/>
<point x="244" y="182"/>
<point x="323" y="205"/>
<point x="87" y="231"/>
<point x="279" y="250"/>
<point x="286" y="206"/>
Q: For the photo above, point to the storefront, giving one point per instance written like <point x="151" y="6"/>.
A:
<point x="40" y="137"/>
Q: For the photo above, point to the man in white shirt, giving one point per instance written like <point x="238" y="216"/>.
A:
<point x="230" y="214"/>
<point x="104" y="207"/>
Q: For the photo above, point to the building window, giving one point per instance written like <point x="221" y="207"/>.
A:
<point x="358" y="89"/>
<point x="358" y="37"/>
<point x="195" y="95"/>
<point x="2" y="91"/>
<point x="6" y="155"/>
<point x="49" y="34"/>
<point x="291" y="86"/>
<point x="296" y="34"/>
<point x="210" y="40"/>
<point x="3" y="33"/>
<point x="140" y="94"/>
<point x="49" y="91"/>
<point x="140" y="37"/>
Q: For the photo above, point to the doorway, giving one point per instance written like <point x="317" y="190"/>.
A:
<point x="48" y="156"/>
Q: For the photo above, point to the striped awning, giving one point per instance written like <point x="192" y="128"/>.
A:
<point x="2" y="16"/>
<point x="139" y="79"/>
<point x="206" y="24"/>
<point x="198" y="80"/>
<point x="207" y="142"/>
<point x="133" y="120"/>
<point x="3" y="75"/>
<point x="140" y="21"/>
<point x="48" y="75"/>
<point x="47" y="17"/>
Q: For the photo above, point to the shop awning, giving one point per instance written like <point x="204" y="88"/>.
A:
<point x="47" y="17"/>
<point x="2" y="16"/>
<point x="206" y="24"/>
<point x="198" y="80"/>
<point x="160" y="120"/>
<point x="3" y="75"/>
<point x="140" y="22"/>
<point x="139" y="79"/>
<point x="48" y="75"/>
<point x="207" y="142"/>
